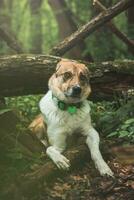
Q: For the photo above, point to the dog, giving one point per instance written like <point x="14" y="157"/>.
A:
<point x="65" y="110"/>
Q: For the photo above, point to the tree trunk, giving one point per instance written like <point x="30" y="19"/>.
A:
<point x="131" y="26"/>
<point x="90" y="27"/>
<point x="67" y="26"/>
<point x="36" y="26"/>
<point x="29" y="74"/>
<point x="6" y="33"/>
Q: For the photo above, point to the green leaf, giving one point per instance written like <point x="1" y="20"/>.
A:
<point x="113" y="134"/>
<point x="123" y="134"/>
<point x="131" y="129"/>
<point x="4" y="111"/>
<point x="129" y="121"/>
<point x="124" y="126"/>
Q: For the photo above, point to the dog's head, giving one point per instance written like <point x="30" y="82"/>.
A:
<point x="70" y="82"/>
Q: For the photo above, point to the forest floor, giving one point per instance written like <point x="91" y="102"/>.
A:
<point x="80" y="185"/>
<point x="86" y="183"/>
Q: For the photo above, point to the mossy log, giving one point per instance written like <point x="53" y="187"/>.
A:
<point x="28" y="184"/>
<point x="11" y="135"/>
<point x="29" y="74"/>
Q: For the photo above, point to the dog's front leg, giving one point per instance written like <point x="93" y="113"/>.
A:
<point x="54" y="152"/>
<point x="93" y="144"/>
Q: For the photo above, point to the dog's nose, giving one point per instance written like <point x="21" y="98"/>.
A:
<point x="76" y="90"/>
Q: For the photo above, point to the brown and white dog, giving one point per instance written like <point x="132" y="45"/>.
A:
<point x="66" y="110"/>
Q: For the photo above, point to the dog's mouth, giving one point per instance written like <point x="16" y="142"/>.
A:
<point x="72" y="99"/>
<point x="73" y="93"/>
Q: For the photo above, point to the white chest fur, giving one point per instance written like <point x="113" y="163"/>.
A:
<point x="56" y="118"/>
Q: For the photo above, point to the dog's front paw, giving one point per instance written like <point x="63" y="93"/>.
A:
<point x="105" y="170"/>
<point x="62" y="162"/>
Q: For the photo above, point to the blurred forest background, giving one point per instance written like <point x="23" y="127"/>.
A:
<point x="38" y="25"/>
<point x="35" y="27"/>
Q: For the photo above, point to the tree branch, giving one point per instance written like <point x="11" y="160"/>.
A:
<point x="90" y="27"/>
<point x="115" y="30"/>
<point x="67" y="26"/>
<point x="10" y="40"/>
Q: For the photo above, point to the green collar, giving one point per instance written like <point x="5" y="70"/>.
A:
<point x="70" y="108"/>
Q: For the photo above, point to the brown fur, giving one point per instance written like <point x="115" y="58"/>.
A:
<point x="59" y="86"/>
<point x="38" y="126"/>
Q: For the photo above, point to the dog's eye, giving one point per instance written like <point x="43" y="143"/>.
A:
<point x="83" y="78"/>
<point x="67" y="75"/>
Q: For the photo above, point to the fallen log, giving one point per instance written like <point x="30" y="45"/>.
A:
<point x="29" y="74"/>
<point x="27" y="185"/>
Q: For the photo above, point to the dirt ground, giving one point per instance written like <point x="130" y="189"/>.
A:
<point x="78" y="186"/>
<point x="82" y="185"/>
<point x="86" y="183"/>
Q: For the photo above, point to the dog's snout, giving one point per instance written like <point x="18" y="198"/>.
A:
<point x="76" y="90"/>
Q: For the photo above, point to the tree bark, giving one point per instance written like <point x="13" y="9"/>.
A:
<point x="90" y="27"/>
<point x="130" y="14"/>
<point x="29" y="74"/>
<point x="67" y="26"/>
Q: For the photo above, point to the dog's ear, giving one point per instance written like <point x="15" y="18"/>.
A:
<point x="57" y="68"/>
<point x="87" y="72"/>
<point x="59" y="64"/>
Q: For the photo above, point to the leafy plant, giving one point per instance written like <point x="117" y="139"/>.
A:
<point x="126" y="130"/>
<point x="26" y="105"/>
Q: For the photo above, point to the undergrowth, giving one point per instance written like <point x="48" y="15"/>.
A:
<point x="28" y="108"/>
